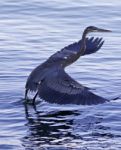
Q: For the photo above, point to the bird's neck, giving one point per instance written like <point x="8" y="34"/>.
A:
<point x="83" y="45"/>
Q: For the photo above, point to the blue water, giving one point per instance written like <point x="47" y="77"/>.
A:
<point x="32" y="30"/>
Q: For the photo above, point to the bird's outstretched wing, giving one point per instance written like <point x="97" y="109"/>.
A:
<point x="92" y="46"/>
<point x="62" y="89"/>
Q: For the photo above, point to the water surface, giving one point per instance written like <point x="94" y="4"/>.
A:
<point x="30" y="32"/>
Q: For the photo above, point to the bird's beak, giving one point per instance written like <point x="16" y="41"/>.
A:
<point x="103" y="30"/>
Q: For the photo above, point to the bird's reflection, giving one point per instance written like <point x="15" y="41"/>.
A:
<point x="48" y="128"/>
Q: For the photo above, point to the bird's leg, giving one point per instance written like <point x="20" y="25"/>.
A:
<point x="33" y="100"/>
<point x="26" y="97"/>
<point x="26" y="92"/>
<point x="36" y="94"/>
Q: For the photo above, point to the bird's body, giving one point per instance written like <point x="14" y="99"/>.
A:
<point x="50" y="81"/>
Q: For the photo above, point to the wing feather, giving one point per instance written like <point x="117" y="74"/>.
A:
<point x="92" y="46"/>
<point x="62" y="89"/>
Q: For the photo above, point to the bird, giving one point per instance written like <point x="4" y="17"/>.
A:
<point x="50" y="81"/>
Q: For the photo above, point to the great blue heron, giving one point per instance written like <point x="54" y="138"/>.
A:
<point x="50" y="81"/>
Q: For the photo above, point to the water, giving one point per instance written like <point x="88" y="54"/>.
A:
<point x="30" y="31"/>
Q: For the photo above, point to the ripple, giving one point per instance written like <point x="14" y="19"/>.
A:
<point x="30" y="32"/>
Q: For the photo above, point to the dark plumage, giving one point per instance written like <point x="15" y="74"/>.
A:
<point x="54" y="85"/>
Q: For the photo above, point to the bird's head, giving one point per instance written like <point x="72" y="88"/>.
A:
<point x="88" y="30"/>
<point x="95" y="29"/>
